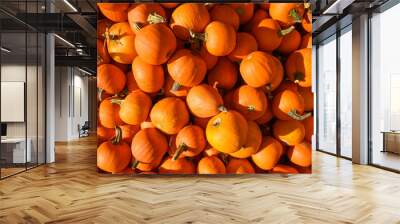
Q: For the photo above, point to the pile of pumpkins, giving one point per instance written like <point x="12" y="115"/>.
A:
<point x="204" y="88"/>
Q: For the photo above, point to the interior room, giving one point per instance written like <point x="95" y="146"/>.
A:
<point x="52" y="129"/>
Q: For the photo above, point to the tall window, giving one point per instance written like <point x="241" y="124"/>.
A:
<point x="385" y="89"/>
<point x="327" y="95"/>
<point x="346" y="92"/>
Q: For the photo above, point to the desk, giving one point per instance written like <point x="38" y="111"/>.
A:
<point x="13" y="150"/>
<point x="391" y="141"/>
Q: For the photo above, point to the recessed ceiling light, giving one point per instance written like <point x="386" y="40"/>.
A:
<point x="5" y="50"/>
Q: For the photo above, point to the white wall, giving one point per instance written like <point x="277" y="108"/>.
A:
<point x="69" y="82"/>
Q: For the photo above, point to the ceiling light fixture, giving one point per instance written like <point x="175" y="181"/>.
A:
<point x="5" y="50"/>
<point x="70" y="5"/>
<point x="64" y="40"/>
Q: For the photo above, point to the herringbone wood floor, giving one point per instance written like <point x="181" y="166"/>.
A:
<point x="71" y="191"/>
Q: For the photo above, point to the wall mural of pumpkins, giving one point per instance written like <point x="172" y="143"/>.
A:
<point x="204" y="88"/>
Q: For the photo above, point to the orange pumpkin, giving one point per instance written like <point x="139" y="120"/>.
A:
<point x="209" y="151"/>
<point x="284" y="169"/>
<point x="298" y="67"/>
<point x="309" y="128"/>
<point x="259" y="15"/>
<point x="306" y="22"/>
<point x="288" y="105"/>
<point x="120" y="43"/>
<point x="147" y="124"/>
<point x="204" y="101"/>
<point x="149" y="78"/>
<point x="290" y="42"/>
<point x="245" y="44"/>
<point x="219" y="38"/>
<point x="244" y="10"/>
<point x="142" y="14"/>
<point x="224" y="74"/>
<point x="109" y="114"/>
<point x="209" y="59"/>
<point x="225" y="14"/>
<point x="306" y="41"/>
<point x="227" y="131"/>
<point x="104" y="134"/>
<point x="239" y="166"/>
<point x="178" y="166"/>
<point x="269" y="153"/>
<point x="148" y="146"/>
<point x="189" y="17"/>
<point x="300" y="154"/>
<point x="113" y="157"/>
<point x="186" y="68"/>
<point x="169" y="115"/>
<point x="259" y="69"/>
<point x="308" y="97"/>
<point x="291" y="132"/>
<point x="228" y="99"/>
<point x="155" y="43"/>
<point x="181" y="92"/>
<point x="275" y="83"/>
<point x="250" y="102"/>
<point x="128" y="131"/>
<point x="287" y="13"/>
<point x="211" y="165"/>
<point x="252" y="144"/>
<point x="102" y="26"/>
<point x="268" y="28"/>
<point x="135" y="107"/>
<point x="266" y="117"/>
<point x="169" y="5"/>
<point x="115" y="12"/>
<point x="287" y="84"/>
<point x="102" y="55"/>
<point x="131" y="84"/>
<point x="110" y="79"/>
<point x="190" y="141"/>
<point x="201" y="122"/>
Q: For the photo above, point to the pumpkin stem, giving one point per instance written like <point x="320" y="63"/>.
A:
<point x="135" y="163"/>
<point x="161" y="92"/>
<point x="307" y="5"/>
<point x="217" y="122"/>
<point x="117" y="101"/>
<point x="224" y="158"/>
<point x="118" y="136"/>
<point x="181" y="148"/>
<point x="251" y="108"/>
<point x="293" y="13"/>
<point x="298" y="76"/>
<point x="268" y="87"/>
<point x="222" y="108"/>
<point x="176" y="86"/>
<point x="286" y="31"/>
<point x="293" y="114"/>
<point x="100" y="94"/>
<point x="137" y="26"/>
<point x="198" y="36"/>
<point x="154" y="18"/>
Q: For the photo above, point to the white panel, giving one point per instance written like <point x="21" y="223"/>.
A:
<point x="12" y="101"/>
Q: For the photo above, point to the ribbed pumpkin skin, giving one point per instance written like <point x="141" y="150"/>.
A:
<point x="211" y="165"/>
<point x="291" y="132"/>
<point x="290" y="42"/>
<point x="225" y="14"/>
<point x="309" y="128"/>
<point x="155" y="43"/>
<point x="121" y="43"/>
<point x="131" y="84"/>
<point x="300" y="154"/>
<point x="149" y="78"/>
<point x="110" y="78"/>
<point x="298" y="67"/>
<point x="308" y="98"/>
<point x="187" y="68"/>
<point x="203" y="101"/>
<point x="286" y="101"/>
<point x="227" y="131"/>
<point x="245" y="44"/>
<point x="252" y="144"/>
<point x="209" y="59"/>
<point x="149" y="145"/>
<point x="267" y="28"/>
<point x="169" y="115"/>
<point x="281" y="12"/>
<point x="220" y="38"/>
<point x="189" y="16"/>
<point x="239" y="166"/>
<point x="284" y="169"/>
<point x="135" y="107"/>
<point x="179" y="166"/>
<point x="306" y="41"/>
<point x="244" y="10"/>
<point x="109" y="114"/>
<point x="269" y="153"/>
<point x="113" y="157"/>
<point x="128" y="132"/>
<point x="102" y="54"/>
<point x="194" y="140"/>
<point x="250" y="102"/>
<point x="259" y="69"/>
<point x="115" y="12"/>
<point x="224" y="74"/>
<point x="104" y="134"/>
<point x="138" y="15"/>
<point x="259" y="15"/>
